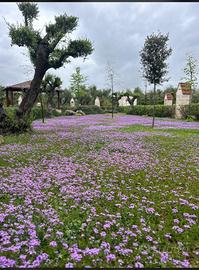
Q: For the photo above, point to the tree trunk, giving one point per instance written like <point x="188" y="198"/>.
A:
<point x="154" y="92"/>
<point x="131" y="100"/>
<point x="31" y="95"/>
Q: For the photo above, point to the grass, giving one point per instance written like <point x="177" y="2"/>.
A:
<point x="134" y="199"/>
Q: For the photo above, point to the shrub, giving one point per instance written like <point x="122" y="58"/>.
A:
<point x="190" y="111"/>
<point x="124" y="109"/>
<point x="91" y="109"/>
<point x="10" y="125"/>
<point x="160" y="110"/>
<point x="36" y="113"/>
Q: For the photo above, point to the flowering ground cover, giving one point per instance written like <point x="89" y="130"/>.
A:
<point x="99" y="192"/>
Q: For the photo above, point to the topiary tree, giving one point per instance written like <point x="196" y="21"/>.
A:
<point x="51" y="50"/>
<point x="153" y="59"/>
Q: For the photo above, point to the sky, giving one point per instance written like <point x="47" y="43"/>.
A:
<point x="117" y="31"/>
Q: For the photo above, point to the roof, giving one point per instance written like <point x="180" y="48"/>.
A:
<point x="19" y="86"/>
<point x="186" y="88"/>
<point x="23" y="86"/>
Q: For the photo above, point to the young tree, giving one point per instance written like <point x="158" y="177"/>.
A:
<point x="49" y="84"/>
<point x="153" y="59"/>
<point x="111" y="76"/>
<point x="78" y="85"/>
<point x="49" y="51"/>
<point x="191" y="71"/>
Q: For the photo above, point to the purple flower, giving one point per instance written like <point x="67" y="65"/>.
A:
<point x="139" y="265"/>
<point x="103" y="234"/>
<point x="164" y="257"/>
<point x="111" y="257"/>
<point x="69" y="265"/>
<point x="53" y="244"/>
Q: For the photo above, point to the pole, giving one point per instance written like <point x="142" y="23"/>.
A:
<point x="42" y="108"/>
<point x="112" y="92"/>
<point x="145" y="93"/>
<point x="154" y="88"/>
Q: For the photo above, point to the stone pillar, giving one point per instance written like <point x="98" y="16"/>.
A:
<point x="72" y="103"/>
<point x="135" y="102"/>
<point x="123" y="102"/>
<point x="97" y="102"/>
<point x="19" y="100"/>
<point x="183" y="97"/>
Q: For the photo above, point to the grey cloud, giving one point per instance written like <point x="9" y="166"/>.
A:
<point x="118" y="31"/>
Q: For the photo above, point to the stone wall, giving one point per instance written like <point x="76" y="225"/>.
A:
<point x="182" y="98"/>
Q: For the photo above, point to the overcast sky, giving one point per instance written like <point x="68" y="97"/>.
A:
<point x="117" y="30"/>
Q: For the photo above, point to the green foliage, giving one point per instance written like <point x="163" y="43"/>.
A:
<point x="91" y="109"/>
<point x="160" y="110"/>
<point x="36" y="113"/>
<point x="51" y="80"/>
<point x="25" y="35"/>
<point x="153" y="57"/>
<point x="77" y="85"/>
<point x="2" y="94"/>
<point x="10" y="125"/>
<point x="63" y="24"/>
<point x="29" y="11"/>
<point x="66" y="97"/>
<point x="195" y="96"/>
<point x="191" y="71"/>
<point x="190" y="111"/>
<point x="49" y="85"/>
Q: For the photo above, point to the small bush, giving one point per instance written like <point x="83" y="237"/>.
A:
<point x="10" y="125"/>
<point x="36" y="113"/>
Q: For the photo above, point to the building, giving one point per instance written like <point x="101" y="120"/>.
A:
<point x="168" y="99"/>
<point x="183" y="97"/>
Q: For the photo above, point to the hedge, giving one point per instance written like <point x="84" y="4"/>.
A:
<point x="160" y="110"/>
<point x="190" y="111"/>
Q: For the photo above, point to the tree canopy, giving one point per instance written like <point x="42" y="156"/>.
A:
<point x="51" y="50"/>
<point x="153" y="58"/>
<point x="191" y="71"/>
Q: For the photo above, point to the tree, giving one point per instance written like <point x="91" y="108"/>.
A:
<point x="191" y="71"/>
<point x="49" y="51"/>
<point x="153" y="59"/>
<point x="49" y="84"/>
<point x="2" y="93"/>
<point x="78" y="85"/>
<point x="111" y="75"/>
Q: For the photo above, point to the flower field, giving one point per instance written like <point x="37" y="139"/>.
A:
<point x="92" y="191"/>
